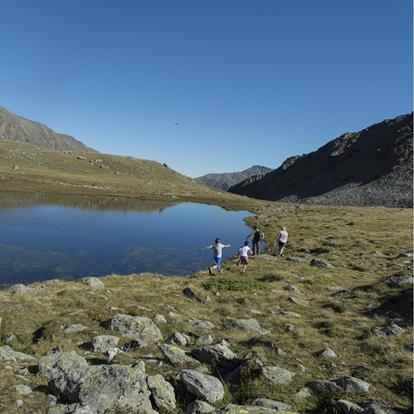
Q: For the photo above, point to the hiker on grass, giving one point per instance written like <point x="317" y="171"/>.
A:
<point x="282" y="239"/>
<point x="258" y="236"/>
<point x="244" y="255"/>
<point x="218" y="255"/>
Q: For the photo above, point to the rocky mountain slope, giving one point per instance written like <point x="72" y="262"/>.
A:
<point x="17" y="128"/>
<point x="372" y="167"/>
<point x="224" y="181"/>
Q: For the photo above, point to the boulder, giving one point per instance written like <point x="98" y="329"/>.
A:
<point x="203" y="326"/>
<point x="160" y="319"/>
<point x="392" y="329"/>
<point x="204" y="340"/>
<point x="177" y="356"/>
<point x="347" y="407"/>
<point x="203" y="386"/>
<point x="400" y="281"/>
<point x="353" y="385"/>
<point x="140" y="328"/>
<point x="321" y="263"/>
<point x="93" y="282"/>
<point x="277" y="375"/>
<point x="199" y="407"/>
<point x="26" y="290"/>
<point x="75" y="328"/>
<point x="65" y="371"/>
<point x="276" y="405"/>
<point x="179" y="339"/>
<point x="109" y="387"/>
<point x="23" y="389"/>
<point x="196" y="295"/>
<point x="249" y="409"/>
<point x="327" y="353"/>
<point x="323" y="386"/>
<point x="162" y="393"/>
<point x="248" y="325"/>
<point x="8" y="354"/>
<point x="218" y="355"/>
<point x="104" y="343"/>
<point x="293" y="289"/>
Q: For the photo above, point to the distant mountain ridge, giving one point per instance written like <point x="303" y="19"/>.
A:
<point x="16" y="128"/>
<point x="372" y="167"/>
<point x="224" y="181"/>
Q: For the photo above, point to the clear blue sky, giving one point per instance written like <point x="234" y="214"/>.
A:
<point x="249" y="82"/>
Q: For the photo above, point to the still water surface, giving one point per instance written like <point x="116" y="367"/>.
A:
<point x="44" y="236"/>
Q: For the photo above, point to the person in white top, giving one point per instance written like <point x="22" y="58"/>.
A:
<point x="282" y="239"/>
<point x="244" y="255"/>
<point x="218" y="255"/>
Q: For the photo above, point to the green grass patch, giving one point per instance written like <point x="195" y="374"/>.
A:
<point x="233" y="284"/>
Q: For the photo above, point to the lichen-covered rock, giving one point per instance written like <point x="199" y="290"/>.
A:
<point x="65" y="371"/>
<point x="249" y="409"/>
<point x="140" y="328"/>
<point x="200" y="325"/>
<point x="160" y="319"/>
<point x="104" y="343"/>
<point x="177" y="356"/>
<point x="108" y="387"/>
<point x="347" y="407"/>
<point x="203" y="386"/>
<point x="323" y="386"/>
<point x="8" y="354"/>
<point x="162" y="392"/>
<point x="248" y="325"/>
<point x="276" y="405"/>
<point x="218" y="355"/>
<point x="321" y="263"/>
<point x="179" y="339"/>
<point x="277" y="375"/>
<point x="199" y="407"/>
<point x="353" y="385"/>
<point x="75" y="328"/>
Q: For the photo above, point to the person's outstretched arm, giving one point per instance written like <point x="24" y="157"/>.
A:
<point x="206" y="248"/>
<point x="226" y="245"/>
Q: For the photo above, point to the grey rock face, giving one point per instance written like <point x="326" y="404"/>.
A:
<point x="8" y="354"/>
<point x="93" y="282"/>
<point x="294" y="289"/>
<point x="162" y="392"/>
<point x="322" y="263"/>
<point x="199" y="407"/>
<point x="276" y="405"/>
<point x="218" y="354"/>
<point x="177" y="356"/>
<point x="204" y="340"/>
<point x="26" y="290"/>
<point x="65" y="372"/>
<point x="104" y="343"/>
<point x="107" y="387"/>
<point x="203" y="386"/>
<point x="196" y="295"/>
<point x="277" y="375"/>
<point x="248" y="325"/>
<point x="141" y="329"/>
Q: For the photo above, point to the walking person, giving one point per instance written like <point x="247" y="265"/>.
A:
<point x="218" y="255"/>
<point x="282" y="239"/>
<point x="258" y="236"/>
<point x="244" y="255"/>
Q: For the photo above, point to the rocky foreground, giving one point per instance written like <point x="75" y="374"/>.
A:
<point x="326" y="329"/>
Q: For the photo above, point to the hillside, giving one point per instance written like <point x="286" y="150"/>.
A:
<point x="325" y="330"/>
<point x="372" y="167"/>
<point x="224" y="181"/>
<point x="24" y="167"/>
<point x="16" y="128"/>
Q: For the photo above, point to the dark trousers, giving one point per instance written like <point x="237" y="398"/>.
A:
<point x="255" y="244"/>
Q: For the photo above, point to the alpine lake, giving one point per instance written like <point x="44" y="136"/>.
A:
<point x="45" y="236"/>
